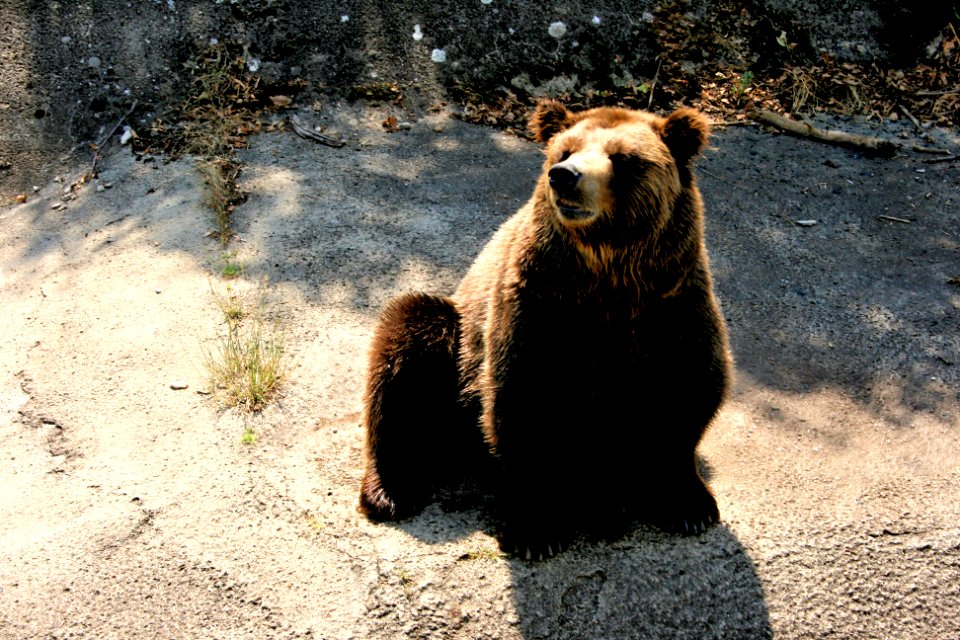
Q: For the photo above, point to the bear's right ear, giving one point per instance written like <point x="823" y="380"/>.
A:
<point x="548" y="119"/>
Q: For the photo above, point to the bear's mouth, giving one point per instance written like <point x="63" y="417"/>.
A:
<point x="571" y="211"/>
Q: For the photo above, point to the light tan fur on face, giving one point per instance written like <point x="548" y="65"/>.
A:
<point x="588" y="147"/>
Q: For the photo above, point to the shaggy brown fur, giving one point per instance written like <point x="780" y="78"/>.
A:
<point x="586" y="336"/>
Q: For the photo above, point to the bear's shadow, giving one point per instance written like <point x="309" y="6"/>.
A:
<point x="644" y="584"/>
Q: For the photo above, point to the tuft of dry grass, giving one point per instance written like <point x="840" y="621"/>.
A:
<point x="220" y="193"/>
<point x="245" y="366"/>
<point x="223" y="107"/>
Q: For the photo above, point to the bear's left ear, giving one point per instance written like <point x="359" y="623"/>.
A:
<point x="548" y="119"/>
<point x="685" y="133"/>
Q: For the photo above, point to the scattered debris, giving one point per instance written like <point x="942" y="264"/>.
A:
<point x="127" y="135"/>
<point x="106" y="139"/>
<point x="390" y="124"/>
<point x="305" y="132"/>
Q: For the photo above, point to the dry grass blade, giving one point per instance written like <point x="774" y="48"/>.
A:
<point x="245" y="367"/>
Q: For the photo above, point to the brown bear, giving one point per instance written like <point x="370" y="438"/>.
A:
<point x="585" y="341"/>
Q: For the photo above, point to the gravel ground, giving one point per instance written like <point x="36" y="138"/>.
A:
<point x="130" y="509"/>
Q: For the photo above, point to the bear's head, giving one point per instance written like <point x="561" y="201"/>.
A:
<point x="616" y="174"/>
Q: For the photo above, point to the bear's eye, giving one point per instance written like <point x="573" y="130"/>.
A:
<point x="624" y="160"/>
<point x="564" y="155"/>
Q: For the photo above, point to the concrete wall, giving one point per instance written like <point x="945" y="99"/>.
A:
<point x="69" y="69"/>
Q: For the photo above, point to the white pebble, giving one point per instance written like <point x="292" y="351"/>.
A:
<point x="177" y="385"/>
<point x="417" y="34"/>
<point x="438" y="55"/>
<point x="557" y="30"/>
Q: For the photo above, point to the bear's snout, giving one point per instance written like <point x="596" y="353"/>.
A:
<point x="564" y="178"/>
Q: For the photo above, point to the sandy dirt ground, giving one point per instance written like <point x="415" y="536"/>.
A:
<point x="129" y="509"/>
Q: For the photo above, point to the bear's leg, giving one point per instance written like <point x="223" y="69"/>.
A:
<point x="411" y="405"/>
<point x="682" y="503"/>
<point x="537" y="501"/>
<point x="680" y="499"/>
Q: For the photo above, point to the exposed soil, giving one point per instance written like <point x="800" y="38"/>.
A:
<point x="129" y="509"/>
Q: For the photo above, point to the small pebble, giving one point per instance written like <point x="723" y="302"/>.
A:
<point x="177" y="385"/>
<point x="806" y="223"/>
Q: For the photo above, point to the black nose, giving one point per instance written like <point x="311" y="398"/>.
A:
<point x="563" y="179"/>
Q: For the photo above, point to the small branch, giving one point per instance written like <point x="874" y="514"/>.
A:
<point x="653" y="84"/>
<point x="106" y="138"/>
<point x="713" y="175"/>
<point x="867" y="144"/>
<point x="939" y="160"/>
<point x="893" y="219"/>
<point x="932" y="150"/>
<point x="734" y="123"/>
<point x="310" y="134"/>
<point x="916" y="123"/>
<point x="938" y="93"/>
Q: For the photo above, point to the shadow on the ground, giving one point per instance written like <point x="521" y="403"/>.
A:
<point x="647" y="584"/>
<point x="855" y="303"/>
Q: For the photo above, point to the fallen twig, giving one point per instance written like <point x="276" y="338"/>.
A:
<point x="893" y="219"/>
<point x="310" y="134"/>
<point x="939" y="160"/>
<point x="106" y="138"/>
<point x="713" y="175"/>
<point x="938" y="93"/>
<point x="867" y="144"/>
<point x="916" y="123"/>
<point x="653" y="84"/>
<point x="934" y="150"/>
<point x="734" y="123"/>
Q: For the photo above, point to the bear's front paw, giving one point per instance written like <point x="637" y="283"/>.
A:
<point x="529" y="543"/>
<point x="691" y="512"/>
